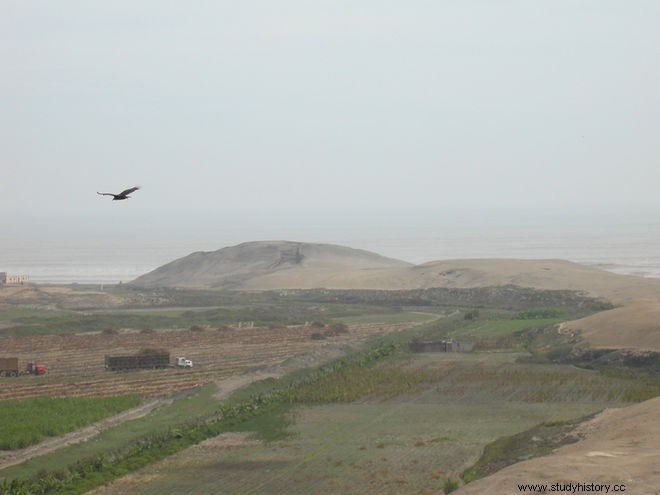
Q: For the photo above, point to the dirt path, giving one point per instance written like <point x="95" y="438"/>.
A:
<point x="225" y="388"/>
<point x="13" y="457"/>
<point x="311" y="359"/>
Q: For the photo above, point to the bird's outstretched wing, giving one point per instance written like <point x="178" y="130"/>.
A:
<point x="128" y="191"/>
<point x="104" y="194"/>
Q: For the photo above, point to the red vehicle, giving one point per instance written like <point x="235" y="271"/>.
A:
<point x="9" y="367"/>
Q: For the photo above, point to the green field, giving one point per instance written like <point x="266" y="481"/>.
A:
<point x="385" y="438"/>
<point x="199" y="404"/>
<point x="29" y="421"/>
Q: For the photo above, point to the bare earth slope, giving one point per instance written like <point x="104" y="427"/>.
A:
<point x="539" y="274"/>
<point x="634" y="326"/>
<point x="620" y="446"/>
<point x="264" y="265"/>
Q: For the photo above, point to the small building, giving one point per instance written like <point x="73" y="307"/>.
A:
<point x="440" y="346"/>
<point x="6" y="279"/>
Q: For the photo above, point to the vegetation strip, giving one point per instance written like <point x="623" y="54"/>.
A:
<point x="535" y="442"/>
<point x="29" y="421"/>
<point x="91" y="472"/>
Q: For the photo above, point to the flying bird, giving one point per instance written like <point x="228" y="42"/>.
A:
<point x="121" y="195"/>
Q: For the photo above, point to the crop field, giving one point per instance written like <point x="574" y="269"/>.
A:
<point x="28" y="421"/>
<point x="75" y="362"/>
<point x="400" y="427"/>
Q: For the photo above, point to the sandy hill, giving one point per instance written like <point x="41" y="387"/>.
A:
<point x="619" y="446"/>
<point x="635" y="326"/>
<point x="268" y="265"/>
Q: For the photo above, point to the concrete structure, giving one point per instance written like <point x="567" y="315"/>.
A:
<point x="6" y="279"/>
<point x="440" y="346"/>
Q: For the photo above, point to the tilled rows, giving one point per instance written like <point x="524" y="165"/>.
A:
<point x="75" y="362"/>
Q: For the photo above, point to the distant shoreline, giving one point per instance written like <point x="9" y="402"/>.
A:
<point x="118" y="275"/>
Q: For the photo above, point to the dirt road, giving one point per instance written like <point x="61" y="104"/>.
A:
<point x="225" y="387"/>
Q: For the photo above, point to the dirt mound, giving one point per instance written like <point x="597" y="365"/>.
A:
<point x="620" y="447"/>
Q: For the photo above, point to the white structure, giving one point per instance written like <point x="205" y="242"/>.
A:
<point x="13" y="279"/>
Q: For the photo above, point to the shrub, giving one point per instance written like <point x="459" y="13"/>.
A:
<point x="337" y="329"/>
<point x="450" y="485"/>
<point x="473" y="314"/>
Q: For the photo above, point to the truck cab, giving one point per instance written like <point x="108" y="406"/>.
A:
<point x="182" y="362"/>
<point x="36" y="369"/>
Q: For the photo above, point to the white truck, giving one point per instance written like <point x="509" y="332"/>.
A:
<point x="182" y="362"/>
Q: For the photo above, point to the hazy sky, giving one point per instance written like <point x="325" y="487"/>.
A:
<point x="234" y="107"/>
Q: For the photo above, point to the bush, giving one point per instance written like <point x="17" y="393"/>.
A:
<point x="539" y="314"/>
<point x="336" y="329"/>
<point x="473" y="314"/>
<point x="450" y="485"/>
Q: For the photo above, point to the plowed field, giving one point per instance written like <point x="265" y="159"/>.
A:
<point x="75" y="362"/>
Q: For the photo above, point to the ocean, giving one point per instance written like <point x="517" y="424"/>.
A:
<point x="87" y="256"/>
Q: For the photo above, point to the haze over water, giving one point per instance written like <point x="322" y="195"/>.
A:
<point x="88" y="253"/>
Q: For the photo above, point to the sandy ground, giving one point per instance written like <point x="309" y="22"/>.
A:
<point x="620" y="447"/>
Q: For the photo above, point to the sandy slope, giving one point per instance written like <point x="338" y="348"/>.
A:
<point x="634" y="326"/>
<point x="620" y="446"/>
<point x="540" y="274"/>
<point x="265" y="265"/>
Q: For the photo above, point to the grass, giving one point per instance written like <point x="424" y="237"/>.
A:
<point x="402" y="317"/>
<point x="185" y="409"/>
<point x="495" y="328"/>
<point x="350" y="384"/>
<point x="271" y="427"/>
<point x="29" y="421"/>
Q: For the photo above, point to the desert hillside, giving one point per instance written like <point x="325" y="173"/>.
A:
<point x="636" y="324"/>
<point x="619" y="446"/>
<point x="268" y="265"/>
